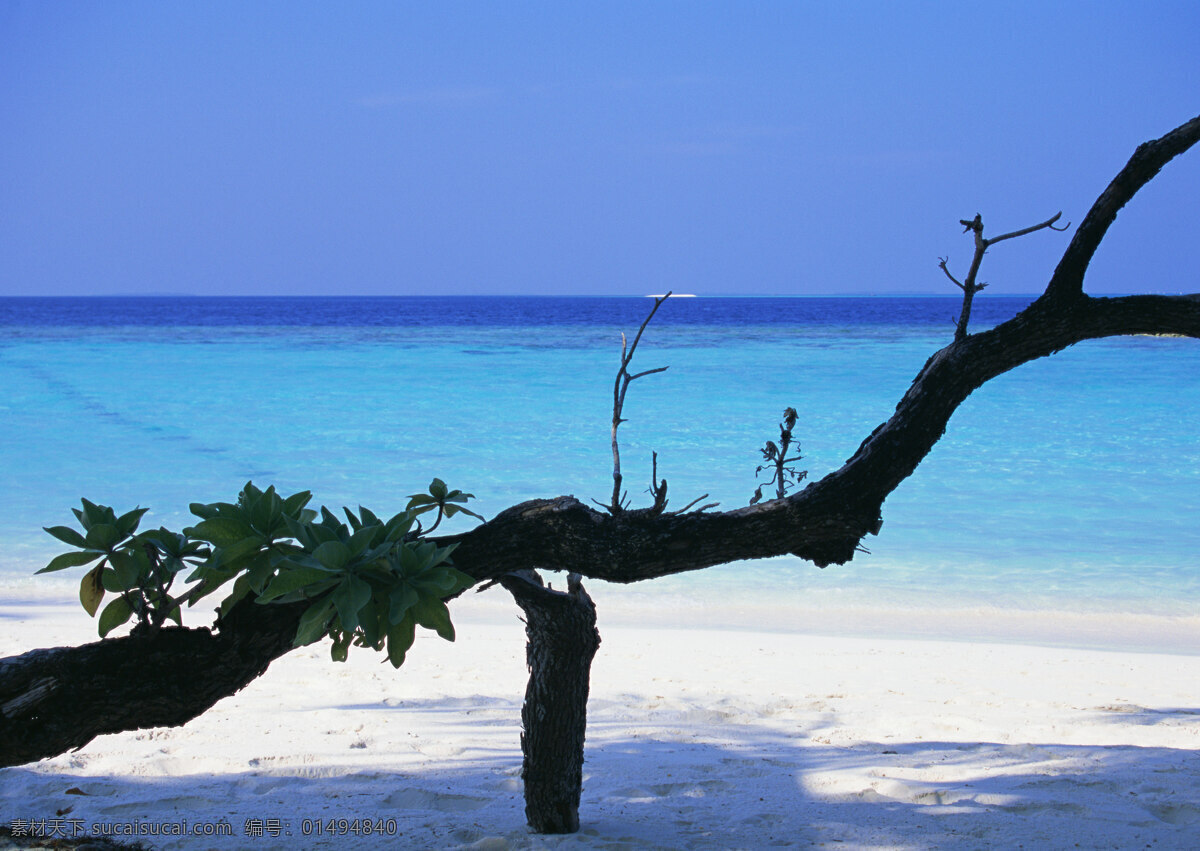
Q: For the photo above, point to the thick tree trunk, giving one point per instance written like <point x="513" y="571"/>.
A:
<point x="60" y="698"/>
<point x="562" y="641"/>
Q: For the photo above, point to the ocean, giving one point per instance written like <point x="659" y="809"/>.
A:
<point x="1062" y="499"/>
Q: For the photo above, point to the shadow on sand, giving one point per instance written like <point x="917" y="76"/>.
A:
<point x="659" y="787"/>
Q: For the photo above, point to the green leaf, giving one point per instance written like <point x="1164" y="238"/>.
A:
<point x="69" y="560"/>
<point x="202" y="510"/>
<point x="221" y="531"/>
<point x="295" y="502"/>
<point x="241" y="587"/>
<point x="438" y="555"/>
<point x="318" y="534"/>
<point x="330" y="520"/>
<point x="441" y="582"/>
<point x="127" y="523"/>
<point x="168" y="542"/>
<point x="94" y="514"/>
<point x="333" y="554"/>
<point x="128" y="567"/>
<point x="258" y="574"/>
<point x="432" y="613"/>
<point x="114" y="614"/>
<point x="415" y="559"/>
<point x="340" y="649"/>
<point x="300" y="530"/>
<point x="361" y="539"/>
<point x="398" y="526"/>
<point x="402" y="598"/>
<point x="371" y="558"/>
<point x="267" y="512"/>
<point x="313" y="622"/>
<point x="350" y="597"/>
<point x="438" y="490"/>
<point x="67" y="535"/>
<point x="451" y="510"/>
<point x="292" y="580"/>
<point x="103" y="536"/>
<point x="400" y="638"/>
<point x="108" y="578"/>
<point x="233" y="555"/>
<point x="368" y="623"/>
<point x="462" y="581"/>
<point x="91" y="590"/>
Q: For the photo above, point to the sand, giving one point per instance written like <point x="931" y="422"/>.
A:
<point x="697" y="739"/>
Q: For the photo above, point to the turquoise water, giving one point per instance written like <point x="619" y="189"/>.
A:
<point x="1069" y="485"/>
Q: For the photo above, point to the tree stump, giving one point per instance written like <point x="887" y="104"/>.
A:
<point x="562" y="640"/>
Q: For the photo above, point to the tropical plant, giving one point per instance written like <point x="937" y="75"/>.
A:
<point x="366" y="581"/>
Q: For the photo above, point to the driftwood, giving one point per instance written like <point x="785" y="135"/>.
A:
<point x="57" y="699"/>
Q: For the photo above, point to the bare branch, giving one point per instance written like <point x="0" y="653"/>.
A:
<point x="638" y="338"/>
<point x="647" y="372"/>
<point x="657" y="490"/>
<point x="684" y="510"/>
<point x="969" y="286"/>
<point x="942" y="261"/>
<point x="1049" y="223"/>
<point x="620" y="386"/>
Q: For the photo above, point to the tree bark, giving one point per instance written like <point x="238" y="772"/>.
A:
<point x="124" y="683"/>
<point x="562" y="641"/>
<point x="57" y="699"/>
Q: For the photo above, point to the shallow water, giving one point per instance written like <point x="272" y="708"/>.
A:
<point x="1069" y="484"/>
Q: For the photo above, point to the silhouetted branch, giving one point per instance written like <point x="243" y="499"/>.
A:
<point x="1049" y="223"/>
<point x="942" y="261"/>
<point x="1146" y="162"/>
<point x="969" y="286"/>
<point x="620" y="386"/>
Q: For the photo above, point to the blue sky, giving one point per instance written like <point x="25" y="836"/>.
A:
<point x="583" y="148"/>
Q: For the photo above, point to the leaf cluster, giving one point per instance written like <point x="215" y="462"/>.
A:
<point x="138" y="567"/>
<point x="367" y="581"/>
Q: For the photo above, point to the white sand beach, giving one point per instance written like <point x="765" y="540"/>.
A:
<point x="698" y="739"/>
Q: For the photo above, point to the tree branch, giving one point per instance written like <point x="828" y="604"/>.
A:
<point x="1146" y="162"/>
<point x="942" y="261"/>
<point x="56" y="699"/>
<point x="1049" y="223"/>
<point x="969" y="286"/>
<point x="620" y="385"/>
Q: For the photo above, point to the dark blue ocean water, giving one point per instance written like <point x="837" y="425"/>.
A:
<point x="468" y="312"/>
<point x="1068" y="485"/>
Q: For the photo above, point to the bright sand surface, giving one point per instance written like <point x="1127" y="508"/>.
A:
<point x="697" y="739"/>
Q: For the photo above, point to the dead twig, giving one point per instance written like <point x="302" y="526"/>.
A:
<point x="620" y="386"/>
<point x="969" y="285"/>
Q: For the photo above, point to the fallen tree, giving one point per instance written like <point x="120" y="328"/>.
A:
<point x="52" y="700"/>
